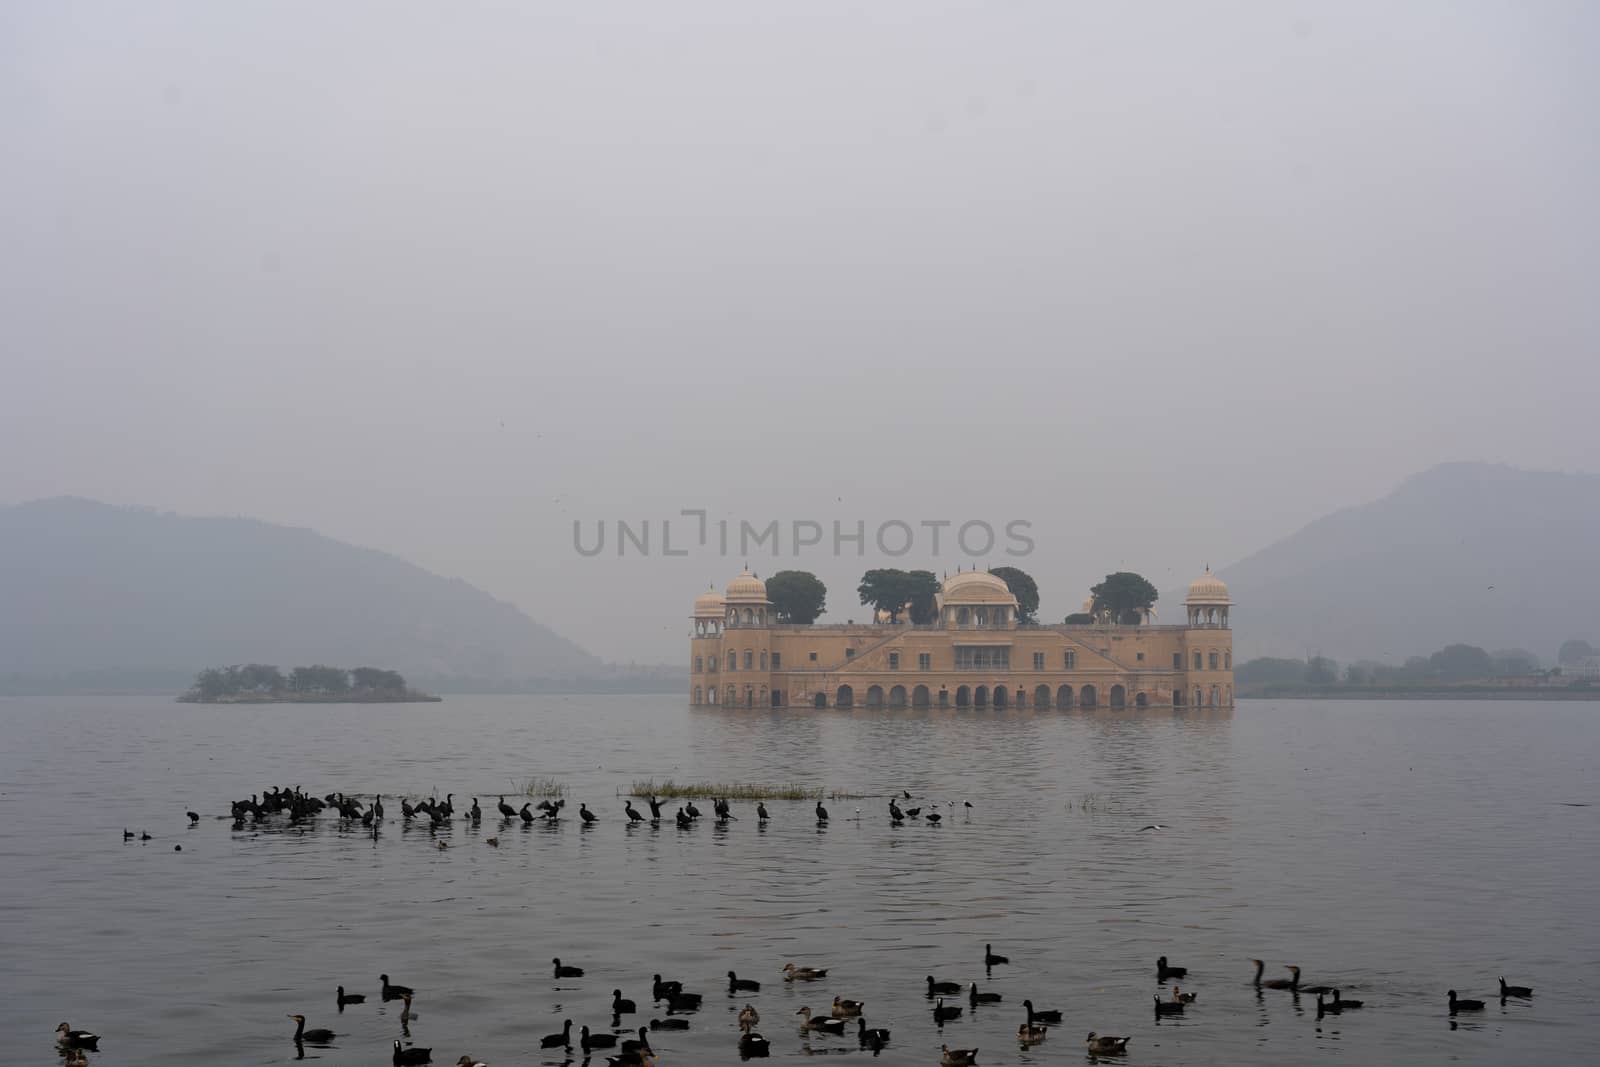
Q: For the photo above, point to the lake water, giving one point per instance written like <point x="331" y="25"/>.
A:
<point x="1393" y="849"/>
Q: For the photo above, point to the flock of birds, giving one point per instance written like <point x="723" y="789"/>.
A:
<point x="836" y="1020"/>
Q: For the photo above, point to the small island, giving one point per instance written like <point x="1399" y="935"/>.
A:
<point x="260" y="683"/>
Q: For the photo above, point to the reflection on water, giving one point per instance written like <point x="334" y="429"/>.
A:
<point x="1397" y="850"/>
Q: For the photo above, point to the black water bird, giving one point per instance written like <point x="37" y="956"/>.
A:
<point x="941" y="1012"/>
<point x="127" y="835"/>
<point x="742" y="985"/>
<point x="1275" y="983"/>
<point x="316" y="1037"/>
<point x="350" y="998"/>
<point x="933" y="819"/>
<point x="144" y="835"/>
<point x="895" y="813"/>
<point x="915" y="813"/>
<point x="506" y="810"/>
<point x="1164" y="972"/>
<point x="475" y="813"/>
<point x="1457" y="1004"/>
<point x="567" y="972"/>
<point x="659" y="990"/>
<point x="194" y="817"/>
<point x="655" y="806"/>
<point x="1514" y="990"/>
<point x="619" y="1006"/>
<point x="753" y="1046"/>
<point x="906" y="793"/>
<point x="683" y="1001"/>
<point x="1167" y="1007"/>
<point x="408" y="1057"/>
<point x="634" y="1044"/>
<point x="527" y="814"/>
<point x="694" y="812"/>
<point x="957" y="1057"/>
<point x="561" y="1040"/>
<point x="587" y="1041"/>
<point x="1326" y="1009"/>
<point x="684" y="821"/>
<point x="585" y="814"/>
<point x="823" y="1023"/>
<point x="669" y="1024"/>
<point x="393" y="992"/>
<point x="1340" y="1004"/>
<point x="1050" y="1016"/>
<point x="632" y="813"/>
<point x="822" y="812"/>
<point x="761" y="810"/>
<point x="990" y="958"/>
<point x="876" y="1038"/>
<point x="982" y="998"/>
<point x="67" y="1037"/>
<point x="936" y="988"/>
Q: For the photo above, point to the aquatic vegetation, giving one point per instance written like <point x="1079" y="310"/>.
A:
<point x="735" y="790"/>
<point x="538" y="787"/>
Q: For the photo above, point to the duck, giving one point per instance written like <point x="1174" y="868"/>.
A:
<point x="742" y="985"/>
<point x="67" y="1037"/>
<point x="1035" y="1016"/>
<point x="683" y="1001"/>
<point x="74" y="1057"/>
<point x="1106" y="1044"/>
<point x="194" y="817"/>
<point x="587" y="1041"/>
<point x="1514" y="990"/>
<point x="1163" y="972"/>
<point x="636" y="1058"/>
<point x="876" y="1037"/>
<point x="406" y="1057"/>
<point x="935" y="988"/>
<point x="634" y="1044"/>
<point x="982" y="998"/>
<point x="563" y="971"/>
<point x="1457" y="1004"/>
<point x="990" y="957"/>
<point x="941" y="1013"/>
<point x="1340" y="1004"/>
<point x="620" y="1006"/>
<point x="934" y="819"/>
<point x="1184" y="998"/>
<point x="561" y="1040"/>
<point x="753" y="1046"/>
<point x="826" y="1024"/>
<point x="846" y="1008"/>
<point x="1275" y="983"/>
<point x="393" y="992"/>
<point x="350" y="998"/>
<point x="1167" y="1007"/>
<point x="1029" y="1034"/>
<point x="957" y="1057"/>
<point x="127" y="835"/>
<point x="660" y="989"/>
<point x="791" y="973"/>
<point x="748" y="1017"/>
<point x="316" y="1037"/>
<point x="492" y="842"/>
<point x="669" y="1024"/>
<point x="470" y="1061"/>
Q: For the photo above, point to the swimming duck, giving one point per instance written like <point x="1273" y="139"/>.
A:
<point x="1050" y="1016"/>
<point x="941" y="1013"/>
<point x="408" y="1057"/>
<point x="846" y="1008"/>
<point x="67" y="1037"/>
<point x="1106" y="1044"/>
<point x="748" y="1017"/>
<point x="982" y="998"/>
<point x="619" y="1006"/>
<point x="990" y="958"/>
<point x="933" y="820"/>
<point x="874" y="1037"/>
<point x="74" y="1057"/>
<point x="566" y="972"/>
<point x="742" y="985"/>
<point x="791" y="973"/>
<point x="492" y="842"/>
<point x="633" y="1044"/>
<point x="957" y="1057"/>
<point x="350" y="998"/>
<point x="561" y="1040"/>
<point x="1029" y="1034"/>
<point x="824" y="1023"/>
<point x="1183" y="998"/>
<point x="1514" y="990"/>
<point x="314" y="1036"/>
<point x="587" y="1041"/>
<point x="1456" y="1004"/>
<point x="753" y="1046"/>
<point x="1340" y="1004"/>
<point x="935" y="988"/>
<point x="1167" y="1007"/>
<point x="684" y="1001"/>
<point x="393" y="992"/>
<point x="1275" y="983"/>
<point x="194" y="817"/>
<point x="660" y="989"/>
<point x="1163" y="972"/>
<point x="669" y="1024"/>
<point x="468" y="1061"/>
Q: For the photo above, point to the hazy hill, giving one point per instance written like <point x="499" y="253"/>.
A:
<point x="1489" y="555"/>
<point x="89" y="587"/>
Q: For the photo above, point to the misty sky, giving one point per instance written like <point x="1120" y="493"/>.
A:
<point x="1166" y="281"/>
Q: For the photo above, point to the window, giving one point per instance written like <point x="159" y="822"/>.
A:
<point x="894" y="661"/>
<point x="1213" y="661"/>
<point x="1038" y="661"/>
<point x="1069" y="660"/>
<point x="1197" y="665"/>
<point x="749" y="660"/>
<point x="699" y="665"/>
<point x="733" y="660"/>
<point x="812" y="656"/>
<point x="777" y="661"/>
<point x="924" y="661"/>
<point x="1138" y="657"/>
<point x="979" y="657"/>
<point x="849" y="653"/>
<point x="1227" y="660"/>
<point x="1177" y="663"/>
<point x="763" y="659"/>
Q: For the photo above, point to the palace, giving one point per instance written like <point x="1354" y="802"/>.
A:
<point x="975" y="655"/>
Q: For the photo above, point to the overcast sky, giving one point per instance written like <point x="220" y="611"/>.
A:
<point x="1164" y="281"/>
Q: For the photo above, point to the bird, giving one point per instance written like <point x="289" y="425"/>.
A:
<point x="792" y="973"/>
<point x="144" y="835"/>
<point x="876" y="1037"/>
<point x="933" y="820"/>
<point x="633" y="1044"/>
<point x="692" y="811"/>
<point x="753" y="1046"/>
<point x="408" y="1056"/>
<point x="1163" y="972"/>
<point x="845" y="1008"/>
<point x="982" y="998"/>
<point x="1296" y="987"/>
<point x="957" y="1057"/>
<point x="990" y="958"/>
<point x="669" y="1024"/>
<point x="1183" y="998"/>
<point x="1049" y="1016"/>
<point x="1106" y="1044"/>
<point x="1152" y="826"/>
<point x="585" y="814"/>
<point x="636" y="1058"/>
<point x="469" y="1061"/>
<point x="67" y="1037"/>
<point x="587" y="1041"/>
<point x="935" y="988"/>
<point x="492" y="842"/>
<point x="317" y="1036"/>
<point x="619" y="1006"/>
<point x="74" y="1057"/>
<point x="822" y="812"/>
<point x="761" y="811"/>
<point x="1514" y="990"/>
<point x="739" y="985"/>
<point x="660" y="989"/>
<point x="748" y="1017"/>
<point x="1167" y="1007"/>
<point x="941" y="1013"/>
<point x="194" y="817"/>
<point x="506" y="810"/>
<point x="823" y="1023"/>
<point x="684" y="821"/>
<point x="441" y="845"/>
<point x="632" y="812"/>
<point x="906" y="793"/>
<point x="351" y="998"/>
<point x="1341" y="1004"/>
<point x="393" y="992"/>
<point x="1275" y="983"/>
<point x="1029" y="1034"/>
<point x="683" y="1001"/>
<point x="127" y="835"/>
<point x="1456" y="1004"/>
<point x="567" y="972"/>
<point x="561" y="1040"/>
<point x="914" y="813"/>
<point x="1327" y="1009"/>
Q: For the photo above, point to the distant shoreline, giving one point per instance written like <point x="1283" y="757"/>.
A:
<point x="315" y="698"/>
<point x="1553" y="694"/>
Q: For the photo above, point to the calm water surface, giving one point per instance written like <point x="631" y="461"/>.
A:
<point x="1393" y="849"/>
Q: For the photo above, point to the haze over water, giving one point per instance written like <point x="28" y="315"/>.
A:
<point x="1393" y="849"/>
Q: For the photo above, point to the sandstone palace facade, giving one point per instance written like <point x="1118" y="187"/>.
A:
<point x="976" y="655"/>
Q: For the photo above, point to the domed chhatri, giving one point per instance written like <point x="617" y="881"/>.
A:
<point x="976" y="587"/>
<point x="1208" y="601"/>
<point x="747" y="589"/>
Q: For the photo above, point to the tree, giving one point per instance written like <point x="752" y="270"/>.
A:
<point x="1356" y="675"/>
<point x="1574" y="652"/>
<point x="1458" y="663"/>
<point x="921" y="588"/>
<point x="374" y="678"/>
<point x="1320" y="670"/>
<point x="1269" y="670"/>
<point x="1079" y="618"/>
<point x="1123" y="592"/>
<point x="886" y="590"/>
<point x="1022" y="587"/>
<point x="797" y="596"/>
<point x="1512" y="662"/>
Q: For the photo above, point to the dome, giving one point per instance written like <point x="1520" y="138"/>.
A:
<point x="976" y="587"/>
<point x="747" y="587"/>
<point x="708" y="603"/>
<point x="1207" y="589"/>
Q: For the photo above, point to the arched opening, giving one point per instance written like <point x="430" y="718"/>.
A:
<point x="1041" y="696"/>
<point x="1199" y="697"/>
<point x="820" y="700"/>
<point x="944" y="698"/>
<point x="732" y="699"/>
<point x="980" y="696"/>
<point x="874" y="696"/>
<point x="963" y="697"/>
<point x="962" y="616"/>
<point x="897" y="697"/>
<point x="733" y="660"/>
<point x="1064" y="698"/>
<point x="845" y="697"/>
<point x="1177" y="698"/>
<point x="1087" y="697"/>
<point x="919" y="697"/>
<point x="1141" y="700"/>
<point x="749" y="696"/>
<point x="749" y="616"/>
<point x="1227" y="697"/>
<point x="777" y="698"/>
<point x="763" y="659"/>
<point x="697" y="694"/>
<point x="1215" y="694"/>
<point x="1119" y="697"/>
<point x="1001" y="697"/>
<point x="714" y="693"/>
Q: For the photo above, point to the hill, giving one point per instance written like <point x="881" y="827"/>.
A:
<point x="91" y="590"/>
<point x="1470" y="552"/>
